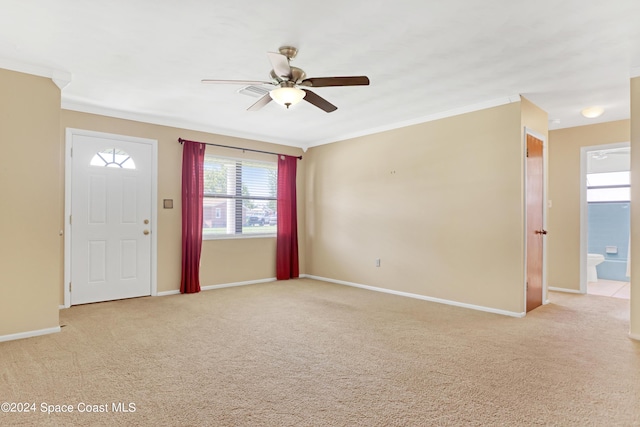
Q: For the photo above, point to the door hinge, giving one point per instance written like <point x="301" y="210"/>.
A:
<point x="71" y="154"/>
<point x="70" y="216"/>
<point x="527" y="152"/>
<point x="69" y="286"/>
<point x="527" y="285"/>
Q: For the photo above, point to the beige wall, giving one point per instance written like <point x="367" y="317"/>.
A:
<point x="635" y="208"/>
<point x="30" y="259"/>
<point x="535" y="119"/>
<point x="440" y="203"/>
<point x="223" y="261"/>
<point x="564" y="192"/>
<point x="32" y="131"/>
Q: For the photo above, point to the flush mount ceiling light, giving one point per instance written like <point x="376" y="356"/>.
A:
<point x="592" y="112"/>
<point x="287" y="95"/>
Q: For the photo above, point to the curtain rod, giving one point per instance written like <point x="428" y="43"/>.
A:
<point x="180" y="140"/>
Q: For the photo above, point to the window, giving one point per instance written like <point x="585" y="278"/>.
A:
<point x="609" y="187"/>
<point x="113" y="158"/>
<point x="239" y="197"/>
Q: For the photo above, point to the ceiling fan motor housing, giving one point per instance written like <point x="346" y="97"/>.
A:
<point x="297" y="75"/>
<point x="289" y="51"/>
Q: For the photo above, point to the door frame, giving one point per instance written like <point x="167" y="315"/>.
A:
<point x="69" y="134"/>
<point x="584" y="207"/>
<point x="545" y="175"/>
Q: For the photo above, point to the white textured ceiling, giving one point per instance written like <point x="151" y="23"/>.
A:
<point x="144" y="59"/>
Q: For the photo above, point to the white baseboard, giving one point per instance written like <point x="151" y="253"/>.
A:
<point x="165" y="293"/>
<point x="29" y="334"/>
<point x="634" y="336"/>
<point x="571" y="291"/>
<point x="224" y="285"/>
<point x="234" y="284"/>
<point x="421" y="297"/>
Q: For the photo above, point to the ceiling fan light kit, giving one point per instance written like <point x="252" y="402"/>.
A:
<point x="288" y="81"/>
<point x="287" y="95"/>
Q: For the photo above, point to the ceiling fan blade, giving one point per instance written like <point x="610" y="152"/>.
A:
<point x="266" y="98"/>
<point x="280" y="65"/>
<point x="319" y="101"/>
<point x="236" y="82"/>
<point x="336" y="81"/>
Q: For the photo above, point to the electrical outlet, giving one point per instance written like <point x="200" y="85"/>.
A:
<point x="377" y="262"/>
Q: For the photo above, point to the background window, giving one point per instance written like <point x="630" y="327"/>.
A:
<point x="609" y="187"/>
<point x="239" y="197"/>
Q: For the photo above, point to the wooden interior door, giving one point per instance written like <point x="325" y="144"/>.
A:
<point x="535" y="232"/>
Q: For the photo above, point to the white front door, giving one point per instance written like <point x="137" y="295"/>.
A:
<point x="111" y="214"/>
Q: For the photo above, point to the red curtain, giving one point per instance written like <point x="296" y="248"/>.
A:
<point x="192" y="193"/>
<point x="287" y="240"/>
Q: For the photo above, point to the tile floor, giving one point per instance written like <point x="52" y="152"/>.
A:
<point x="609" y="288"/>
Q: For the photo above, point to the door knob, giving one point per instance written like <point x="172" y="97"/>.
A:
<point x="145" y="232"/>
<point x="541" y="231"/>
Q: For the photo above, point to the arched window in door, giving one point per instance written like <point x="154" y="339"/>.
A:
<point x="113" y="158"/>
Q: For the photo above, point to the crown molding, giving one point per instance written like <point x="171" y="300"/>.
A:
<point x="60" y="78"/>
<point x="83" y="107"/>
<point x="430" y="118"/>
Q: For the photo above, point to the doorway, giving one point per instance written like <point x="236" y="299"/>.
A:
<point x="535" y="290"/>
<point x="605" y="220"/>
<point x="110" y="206"/>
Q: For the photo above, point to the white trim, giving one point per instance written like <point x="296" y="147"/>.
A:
<point x="545" y="161"/>
<point x="29" y="334"/>
<point x="634" y="336"/>
<point x="224" y="285"/>
<point x="584" y="207"/>
<point x="571" y="291"/>
<point x="234" y="284"/>
<point x="69" y="133"/>
<point x="167" y="293"/>
<point x="212" y="236"/>
<point x="68" y="103"/>
<point x="420" y="297"/>
<point x="60" y="78"/>
<point x="67" y="212"/>
<point x="72" y="105"/>
<point x="61" y="307"/>
<point x="583" y="220"/>
<point x="154" y="213"/>
<point x="424" y="119"/>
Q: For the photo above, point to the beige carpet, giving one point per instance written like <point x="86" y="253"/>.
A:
<point x="307" y="353"/>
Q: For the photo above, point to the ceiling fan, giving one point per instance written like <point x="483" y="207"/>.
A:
<point x="290" y="82"/>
